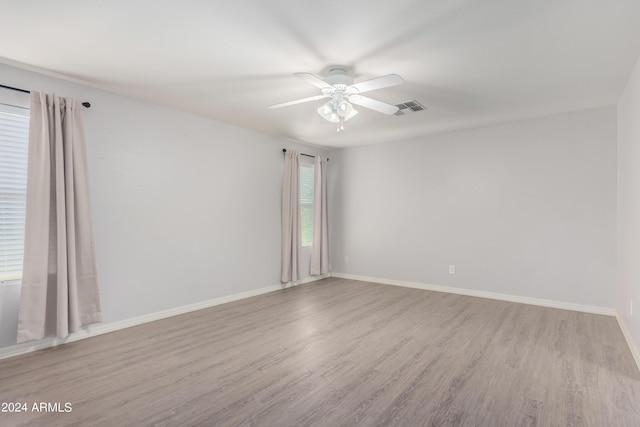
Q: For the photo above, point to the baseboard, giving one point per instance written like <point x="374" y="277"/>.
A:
<point x="104" y="328"/>
<point x="627" y="336"/>
<point x="482" y="294"/>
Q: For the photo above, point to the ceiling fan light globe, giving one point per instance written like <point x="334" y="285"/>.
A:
<point x="351" y="114"/>
<point x="344" y="108"/>
<point x="328" y="112"/>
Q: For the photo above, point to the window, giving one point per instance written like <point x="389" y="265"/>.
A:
<point x="306" y="203"/>
<point x="14" y="138"/>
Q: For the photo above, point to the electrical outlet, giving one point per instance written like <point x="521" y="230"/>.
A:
<point x="452" y="269"/>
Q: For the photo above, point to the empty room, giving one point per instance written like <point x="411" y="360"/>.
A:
<point x="295" y="213"/>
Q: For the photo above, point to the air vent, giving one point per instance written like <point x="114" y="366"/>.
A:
<point x="409" y="107"/>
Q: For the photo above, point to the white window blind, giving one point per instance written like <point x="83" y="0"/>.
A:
<point x="14" y="139"/>
<point x="306" y="203"/>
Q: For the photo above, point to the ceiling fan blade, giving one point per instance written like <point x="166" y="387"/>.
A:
<point x="372" y="104"/>
<point x="377" y="83"/>
<point x="310" y="78"/>
<point x="297" y="101"/>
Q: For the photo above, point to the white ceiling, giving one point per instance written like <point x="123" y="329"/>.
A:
<point x="470" y="62"/>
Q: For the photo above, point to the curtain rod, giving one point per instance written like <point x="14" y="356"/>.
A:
<point x="284" y="150"/>
<point x="84" y="104"/>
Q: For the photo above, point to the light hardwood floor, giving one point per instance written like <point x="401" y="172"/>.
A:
<point x="340" y="353"/>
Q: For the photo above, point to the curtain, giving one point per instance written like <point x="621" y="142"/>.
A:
<point x="59" y="280"/>
<point x="320" y="245"/>
<point x="291" y="218"/>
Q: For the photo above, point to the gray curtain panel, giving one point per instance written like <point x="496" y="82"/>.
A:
<point x="320" y="245"/>
<point x="59" y="280"/>
<point x="291" y="243"/>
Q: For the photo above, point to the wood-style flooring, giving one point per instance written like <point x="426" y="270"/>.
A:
<point x="338" y="353"/>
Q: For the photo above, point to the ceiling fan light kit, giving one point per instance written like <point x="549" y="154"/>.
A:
<point x="337" y="110"/>
<point x="339" y="86"/>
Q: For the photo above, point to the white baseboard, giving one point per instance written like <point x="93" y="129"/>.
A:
<point x="103" y="328"/>
<point x="627" y="336"/>
<point x="482" y="294"/>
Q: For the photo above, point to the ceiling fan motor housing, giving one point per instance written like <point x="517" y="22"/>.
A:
<point x="339" y="78"/>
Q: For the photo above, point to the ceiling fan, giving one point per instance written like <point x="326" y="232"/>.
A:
<point x="339" y="86"/>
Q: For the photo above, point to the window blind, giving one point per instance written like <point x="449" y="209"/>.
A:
<point x="14" y="139"/>
<point x="306" y="203"/>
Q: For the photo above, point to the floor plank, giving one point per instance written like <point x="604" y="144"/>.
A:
<point x="339" y="353"/>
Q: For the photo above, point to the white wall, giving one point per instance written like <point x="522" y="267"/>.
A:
<point x="629" y="206"/>
<point x="186" y="209"/>
<point x="525" y="209"/>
